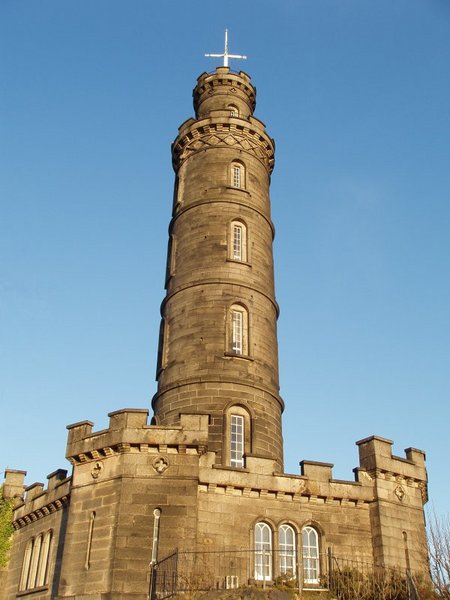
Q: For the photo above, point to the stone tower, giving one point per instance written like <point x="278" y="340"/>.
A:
<point x="218" y="345"/>
<point x="199" y="497"/>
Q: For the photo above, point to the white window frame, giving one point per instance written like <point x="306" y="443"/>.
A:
<point x="263" y="552"/>
<point x="288" y="563"/>
<point x="238" y="236"/>
<point x="237" y="440"/>
<point x="237" y="175"/>
<point x="237" y="240"/>
<point x="237" y="331"/>
<point x="311" y="555"/>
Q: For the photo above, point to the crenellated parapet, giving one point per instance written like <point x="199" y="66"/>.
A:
<point x="401" y="475"/>
<point x="129" y="432"/>
<point x="228" y="85"/>
<point x="36" y="502"/>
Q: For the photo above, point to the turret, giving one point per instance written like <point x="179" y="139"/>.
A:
<point x="218" y="350"/>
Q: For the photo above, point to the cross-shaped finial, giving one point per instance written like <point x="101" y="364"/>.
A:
<point x="225" y="54"/>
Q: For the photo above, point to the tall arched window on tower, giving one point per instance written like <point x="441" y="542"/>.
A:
<point x="238" y="241"/>
<point x="236" y="440"/>
<point x="237" y="436"/>
<point x="238" y="330"/>
<point x="310" y="547"/>
<point x="286" y="536"/>
<point x="263" y="552"/>
<point x="237" y="175"/>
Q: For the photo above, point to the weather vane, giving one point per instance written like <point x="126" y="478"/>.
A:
<point x="225" y="54"/>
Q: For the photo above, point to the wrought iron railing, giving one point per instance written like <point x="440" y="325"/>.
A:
<point x="348" y="579"/>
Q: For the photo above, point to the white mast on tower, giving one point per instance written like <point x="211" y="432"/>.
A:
<point x="225" y="54"/>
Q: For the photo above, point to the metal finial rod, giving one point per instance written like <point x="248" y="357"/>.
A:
<point x="225" y="54"/>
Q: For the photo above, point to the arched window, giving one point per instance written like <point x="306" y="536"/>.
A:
<point x="310" y="546"/>
<point x="237" y="436"/>
<point x="237" y="175"/>
<point x="26" y="566"/>
<point x="238" y="330"/>
<point x="35" y="555"/>
<point x="42" y="573"/>
<point x="35" y="562"/>
<point x="234" y="111"/>
<point x="237" y="440"/>
<point x="238" y="241"/>
<point x="287" y="551"/>
<point x="263" y="552"/>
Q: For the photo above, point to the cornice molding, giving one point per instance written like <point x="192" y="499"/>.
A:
<point x="203" y="136"/>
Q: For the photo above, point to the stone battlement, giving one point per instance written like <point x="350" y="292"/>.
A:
<point x="129" y="432"/>
<point x="34" y="502"/>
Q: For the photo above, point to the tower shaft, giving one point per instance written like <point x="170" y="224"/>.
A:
<point x="218" y="345"/>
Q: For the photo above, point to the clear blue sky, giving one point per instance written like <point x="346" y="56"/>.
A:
<point x="356" y="94"/>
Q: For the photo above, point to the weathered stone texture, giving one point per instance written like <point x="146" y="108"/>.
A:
<point x="102" y="518"/>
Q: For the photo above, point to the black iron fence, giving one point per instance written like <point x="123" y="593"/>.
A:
<point x="357" y="580"/>
<point x="232" y="569"/>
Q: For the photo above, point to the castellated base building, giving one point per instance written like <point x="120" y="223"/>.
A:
<point x="198" y="495"/>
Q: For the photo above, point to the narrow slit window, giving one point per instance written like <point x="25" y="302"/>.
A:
<point x="237" y="441"/>
<point x="87" y="563"/>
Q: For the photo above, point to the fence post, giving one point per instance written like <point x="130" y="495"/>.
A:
<point x="152" y="585"/>
<point x="330" y="567"/>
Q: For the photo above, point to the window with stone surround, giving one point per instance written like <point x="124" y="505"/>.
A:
<point x="237" y="441"/>
<point x="287" y="554"/>
<point x="35" y="565"/>
<point x="263" y="552"/>
<point x="238" y="330"/>
<point x="237" y="241"/>
<point x="237" y="175"/>
<point x="234" y="111"/>
<point x="237" y="436"/>
<point x="311" y="557"/>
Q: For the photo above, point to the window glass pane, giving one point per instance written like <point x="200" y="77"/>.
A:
<point x="310" y="541"/>
<point x="287" y="551"/>
<point x="237" y="441"/>
<point x="263" y="552"/>
<point x="237" y="242"/>
<point x="237" y="338"/>
<point x="236" y="176"/>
